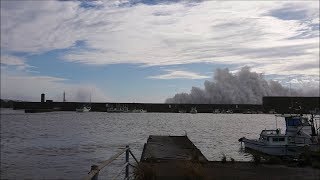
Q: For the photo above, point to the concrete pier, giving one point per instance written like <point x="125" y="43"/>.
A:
<point x="166" y="148"/>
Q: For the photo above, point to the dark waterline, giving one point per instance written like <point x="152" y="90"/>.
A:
<point x="65" y="144"/>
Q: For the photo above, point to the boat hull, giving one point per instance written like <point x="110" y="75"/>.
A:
<point x="276" y="150"/>
<point x="83" y="110"/>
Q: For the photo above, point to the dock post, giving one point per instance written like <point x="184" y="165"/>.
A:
<point x="127" y="161"/>
<point x="94" y="167"/>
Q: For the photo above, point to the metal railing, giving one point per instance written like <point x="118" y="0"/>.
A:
<point x="95" y="169"/>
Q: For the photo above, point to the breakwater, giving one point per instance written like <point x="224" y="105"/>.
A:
<point x="270" y="104"/>
<point x="149" y="107"/>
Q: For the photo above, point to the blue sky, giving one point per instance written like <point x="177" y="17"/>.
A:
<point x="146" y="51"/>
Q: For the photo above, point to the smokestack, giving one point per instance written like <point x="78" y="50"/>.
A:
<point x="64" y="96"/>
<point x="43" y="98"/>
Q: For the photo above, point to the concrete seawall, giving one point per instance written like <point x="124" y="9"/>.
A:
<point x="277" y="104"/>
<point x="150" y="107"/>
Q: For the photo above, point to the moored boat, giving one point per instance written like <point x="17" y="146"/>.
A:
<point x="118" y="110"/>
<point x="300" y="134"/>
<point x="193" y="110"/>
<point x="83" y="109"/>
<point x="216" y="111"/>
<point x="138" y="111"/>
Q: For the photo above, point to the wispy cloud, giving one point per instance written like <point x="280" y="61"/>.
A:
<point x="178" y="74"/>
<point x="262" y="33"/>
<point x="18" y="62"/>
<point x="278" y="38"/>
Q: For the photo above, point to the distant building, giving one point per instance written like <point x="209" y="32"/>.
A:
<point x="49" y="101"/>
<point x="64" y="96"/>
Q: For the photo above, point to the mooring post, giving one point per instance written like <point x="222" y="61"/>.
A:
<point x="127" y="161"/>
<point x="94" y="167"/>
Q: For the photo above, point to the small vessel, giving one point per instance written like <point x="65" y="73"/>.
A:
<point x="272" y="111"/>
<point x="119" y="109"/>
<point x="193" y="110"/>
<point x="216" y="111"/>
<point x="138" y="111"/>
<point x="248" y="111"/>
<point x="300" y="134"/>
<point x="83" y="109"/>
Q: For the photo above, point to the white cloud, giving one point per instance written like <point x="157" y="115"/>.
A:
<point x="12" y="60"/>
<point x="18" y="62"/>
<point x="27" y="87"/>
<point x="38" y="26"/>
<point x="178" y="74"/>
<point x="177" y="33"/>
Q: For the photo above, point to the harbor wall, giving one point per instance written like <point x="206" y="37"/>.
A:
<point x="291" y="104"/>
<point x="150" y="107"/>
<point x="277" y="104"/>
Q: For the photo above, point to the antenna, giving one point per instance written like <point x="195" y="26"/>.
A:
<point x="290" y="86"/>
<point x="276" y="122"/>
<point x="290" y="94"/>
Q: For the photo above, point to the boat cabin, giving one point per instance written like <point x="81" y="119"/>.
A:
<point x="297" y="125"/>
<point x="296" y="121"/>
<point x="273" y="137"/>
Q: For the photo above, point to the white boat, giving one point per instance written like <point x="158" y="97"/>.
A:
<point x="118" y="110"/>
<point x="138" y="111"/>
<point x="83" y="109"/>
<point x="300" y="134"/>
<point x="216" y="111"/>
<point x="193" y="110"/>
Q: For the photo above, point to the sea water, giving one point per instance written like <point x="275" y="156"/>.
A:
<point x="63" y="145"/>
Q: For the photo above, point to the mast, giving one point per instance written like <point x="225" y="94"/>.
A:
<point x="290" y="94"/>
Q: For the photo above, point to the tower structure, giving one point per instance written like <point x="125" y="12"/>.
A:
<point x="64" y="96"/>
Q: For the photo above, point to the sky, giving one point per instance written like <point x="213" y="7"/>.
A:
<point x="149" y="50"/>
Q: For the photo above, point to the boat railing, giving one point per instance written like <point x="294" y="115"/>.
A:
<point x="95" y="169"/>
<point x="270" y="132"/>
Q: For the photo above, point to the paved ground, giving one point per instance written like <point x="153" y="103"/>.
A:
<point x="177" y="158"/>
<point x="162" y="148"/>
<point x="176" y="170"/>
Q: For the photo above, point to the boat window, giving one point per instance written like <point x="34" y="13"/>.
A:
<point x="275" y="139"/>
<point x="281" y="139"/>
<point x="295" y="121"/>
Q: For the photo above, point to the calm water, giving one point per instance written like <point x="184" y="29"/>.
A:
<point x="63" y="145"/>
